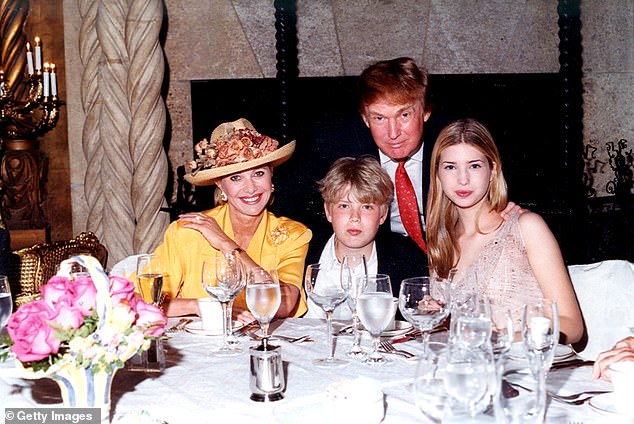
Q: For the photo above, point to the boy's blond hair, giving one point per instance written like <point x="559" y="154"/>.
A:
<point x="362" y="177"/>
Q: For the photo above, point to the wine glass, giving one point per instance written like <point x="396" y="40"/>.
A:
<point x="540" y="334"/>
<point x="429" y="391"/>
<point x="353" y="268"/>
<point x="502" y="330"/>
<point x="150" y="277"/>
<point x="263" y="298"/>
<point x="472" y="322"/>
<point x="327" y="297"/>
<point x="424" y="302"/>
<point x="6" y="301"/>
<point x="376" y="309"/>
<point x="469" y="377"/>
<point x="223" y="279"/>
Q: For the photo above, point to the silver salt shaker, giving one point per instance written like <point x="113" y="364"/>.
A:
<point x="267" y="373"/>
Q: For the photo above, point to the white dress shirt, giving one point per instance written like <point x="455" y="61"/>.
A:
<point x="330" y="274"/>
<point x="414" y="168"/>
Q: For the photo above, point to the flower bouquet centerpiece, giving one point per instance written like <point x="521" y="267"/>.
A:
<point x="81" y="332"/>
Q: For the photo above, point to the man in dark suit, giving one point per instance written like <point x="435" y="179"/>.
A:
<point x="392" y="103"/>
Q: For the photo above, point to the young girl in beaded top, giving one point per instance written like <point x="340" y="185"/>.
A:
<point x="512" y="262"/>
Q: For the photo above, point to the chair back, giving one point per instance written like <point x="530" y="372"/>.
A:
<point x="33" y="266"/>
<point x="605" y="291"/>
<point x="126" y="267"/>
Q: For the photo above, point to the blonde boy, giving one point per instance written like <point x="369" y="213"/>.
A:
<point x="357" y="193"/>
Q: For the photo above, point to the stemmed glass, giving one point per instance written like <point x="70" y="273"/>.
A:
<point x="150" y="276"/>
<point x="429" y="391"/>
<point x="263" y="298"/>
<point x="353" y="269"/>
<point x="469" y="378"/>
<point x="540" y="334"/>
<point x="223" y="279"/>
<point x="327" y="297"/>
<point x="424" y="302"/>
<point x="502" y="330"/>
<point x="472" y="322"/>
<point x="6" y="302"/>
<point x="376" y="309"/>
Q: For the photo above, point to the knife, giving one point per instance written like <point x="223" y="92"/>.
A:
<point x="571" y="363"/>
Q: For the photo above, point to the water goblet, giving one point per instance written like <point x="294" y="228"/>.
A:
<point x="263" y="298"/>
<point x="150" y="278"/>
<point x="428" y="388"/>
<point x="502" y="330"/>
<point x="472" y="322"/>
<point x="540" y="335"/>
<point x="424" y="302"/>
<point x="6" y="302"/>
<point x="327" y="297"/>
<point x="223" y="279"/>
<point x="469" y="379"/>
<point x="376" y="310"/>
<point x="353" y="269"/>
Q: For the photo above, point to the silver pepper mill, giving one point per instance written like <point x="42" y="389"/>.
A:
<point x="267" y="373"/>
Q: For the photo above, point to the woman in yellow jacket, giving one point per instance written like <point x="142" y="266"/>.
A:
<point x="240" y="162"/>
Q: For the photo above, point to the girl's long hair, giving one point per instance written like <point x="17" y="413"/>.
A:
<point x="442" y="214"/>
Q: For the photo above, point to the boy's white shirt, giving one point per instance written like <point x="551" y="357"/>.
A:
<point x="330" y="275"/>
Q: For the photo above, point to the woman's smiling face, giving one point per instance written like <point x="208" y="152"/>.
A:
<point x="248" y="192"/>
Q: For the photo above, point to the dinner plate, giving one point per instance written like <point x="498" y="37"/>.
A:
<point x="196" y="327"/>
<point x="562" y="352"/>
<point x="400" y="328"/>
<point x="603" y="403"/>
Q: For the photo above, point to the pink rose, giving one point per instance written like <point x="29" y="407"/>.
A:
<point x="84" y="295"/>
<point x="150" y="318"/>
<point x="121" y="289"/>
<point x="56" y="288"/>
<point x="32" y="336"/>
<point x="67" y="315"/>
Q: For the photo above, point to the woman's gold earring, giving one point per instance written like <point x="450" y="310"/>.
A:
<point x="223" y="196"/>
<point x="272" y="188"/>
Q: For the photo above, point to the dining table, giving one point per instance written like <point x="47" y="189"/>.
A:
<point x="198" y="387"/>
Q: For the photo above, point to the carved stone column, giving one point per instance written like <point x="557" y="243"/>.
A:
<point x="126" y="172"/>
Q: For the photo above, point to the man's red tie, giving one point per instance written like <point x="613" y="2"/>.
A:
<point x="407" y="206"/>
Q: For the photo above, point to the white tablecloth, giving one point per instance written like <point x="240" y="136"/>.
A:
<point x="197" y="387"/>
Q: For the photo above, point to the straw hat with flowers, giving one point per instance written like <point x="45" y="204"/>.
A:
<point x="234" y="147"/>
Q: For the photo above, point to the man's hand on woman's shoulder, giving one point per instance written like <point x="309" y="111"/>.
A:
<point x="510" y="210"/>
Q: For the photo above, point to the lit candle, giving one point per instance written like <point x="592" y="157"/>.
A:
<point x="1" y="82"/>
<point x="38" y="54"/>
<point x="46" y="80"/>
<point x="29" y="58"/>
<point x="53" y="80"/>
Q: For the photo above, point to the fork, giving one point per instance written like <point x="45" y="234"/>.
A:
<point x="179" y="325"/>
<point x="305" y="338"/>
<point x="389" y="348"/>
<point x="572" y="399"/>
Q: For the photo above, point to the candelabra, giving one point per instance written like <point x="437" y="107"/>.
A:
<point x="23" y="166"/>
